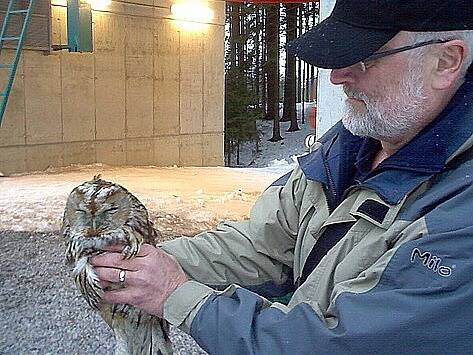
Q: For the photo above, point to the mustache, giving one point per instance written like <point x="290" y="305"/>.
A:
<point x="355" y="94"/>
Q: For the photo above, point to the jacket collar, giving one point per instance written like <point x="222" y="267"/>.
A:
<point x="333" y="164"/>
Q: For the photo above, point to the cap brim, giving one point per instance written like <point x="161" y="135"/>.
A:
<point x="333" y="44"/>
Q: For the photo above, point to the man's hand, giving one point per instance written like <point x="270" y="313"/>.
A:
<point x="150" y="277"/>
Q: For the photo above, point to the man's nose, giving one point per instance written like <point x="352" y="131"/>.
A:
<point x="342" y="76"/>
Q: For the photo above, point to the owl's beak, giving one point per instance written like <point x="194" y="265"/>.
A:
<point x="92" y="229"/>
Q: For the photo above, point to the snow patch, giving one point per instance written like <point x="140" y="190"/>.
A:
<point x="277" y="162"/>
<point x="36" y="201"/>
<point x="291" y="146"/>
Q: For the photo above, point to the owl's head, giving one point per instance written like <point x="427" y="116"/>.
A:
<point x="98" y="206"/>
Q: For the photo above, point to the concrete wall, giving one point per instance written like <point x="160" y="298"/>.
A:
<point x="150" y="94"/>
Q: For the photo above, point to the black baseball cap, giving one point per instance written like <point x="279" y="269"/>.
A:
<point x="357" y="28"/>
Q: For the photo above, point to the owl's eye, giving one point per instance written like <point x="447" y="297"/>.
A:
<point x="81" y="211"/>
<point x="111" y="210"/>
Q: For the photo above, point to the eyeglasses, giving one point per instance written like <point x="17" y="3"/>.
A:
<point x="366" y="63"/>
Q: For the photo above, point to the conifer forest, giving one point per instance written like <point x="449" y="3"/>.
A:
<point x="260" y="77"/>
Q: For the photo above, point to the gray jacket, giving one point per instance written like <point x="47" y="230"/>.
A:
<point x="373" y="262"/>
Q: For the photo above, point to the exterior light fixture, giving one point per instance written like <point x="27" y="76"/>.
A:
<point x="193" y="11"/>
<point x="98" y="4"/>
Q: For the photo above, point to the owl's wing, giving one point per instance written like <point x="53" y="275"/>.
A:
<point x="69" y="258"/>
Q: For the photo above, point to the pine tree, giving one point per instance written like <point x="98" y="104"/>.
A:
<point x="289" y="109"/>
<point x="241" y="104"/>
<point x="272" y="69"/>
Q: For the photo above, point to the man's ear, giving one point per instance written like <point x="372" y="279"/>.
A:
<point x="449" y="62"/>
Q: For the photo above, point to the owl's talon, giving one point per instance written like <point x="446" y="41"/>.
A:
<point x="130" y="251"/>
<point x="126" y="252"/>
<point x="133" y="246"/>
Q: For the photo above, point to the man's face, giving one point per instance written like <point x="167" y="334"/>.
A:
<point x="387" y="101"/>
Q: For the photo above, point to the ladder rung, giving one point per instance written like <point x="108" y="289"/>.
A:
<point x="19" y="11"/>
<point x="6" y="66"/>
<point x="9" y="38"/>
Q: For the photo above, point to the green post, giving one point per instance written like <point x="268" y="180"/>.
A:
<point x="79" y="26"/>
<point x="85" y="19"/>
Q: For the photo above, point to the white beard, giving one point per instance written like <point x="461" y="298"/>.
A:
<point x="391" y="115"/>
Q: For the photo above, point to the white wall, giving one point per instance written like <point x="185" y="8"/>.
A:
<point x="330" y="97"/>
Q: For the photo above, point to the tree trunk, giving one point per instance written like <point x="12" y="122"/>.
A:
<point x="303" y="93"/>
<point x="289" y="111"/>
<point x="257" y="57"/>
<point x="264" y="56"/>
<point x="234" y="33"/>
<point x="313" y="70"/>
<point x="300" y="30"/>
<point x="272" y="66"/>
<point x="238" y="152"/>
<point x="241" y="37"/>
<point x="229" y="152"/>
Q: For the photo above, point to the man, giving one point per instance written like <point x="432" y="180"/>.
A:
<point x="371" y="233"/>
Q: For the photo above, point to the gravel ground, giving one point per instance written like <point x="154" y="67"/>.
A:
<point x="41" y="310"/>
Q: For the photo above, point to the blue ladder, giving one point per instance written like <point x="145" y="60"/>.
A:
<point x="17" y="42"/>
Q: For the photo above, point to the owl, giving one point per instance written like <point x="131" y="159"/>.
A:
<point x="100" y="213"/>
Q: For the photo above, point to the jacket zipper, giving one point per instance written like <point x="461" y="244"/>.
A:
<point x="331" y="183"/>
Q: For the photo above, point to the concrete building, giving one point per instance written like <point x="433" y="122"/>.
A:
<point x="151" y="93"/>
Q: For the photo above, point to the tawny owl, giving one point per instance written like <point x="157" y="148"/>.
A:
<point x="100" y="213"/>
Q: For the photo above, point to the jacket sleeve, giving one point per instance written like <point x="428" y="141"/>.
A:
<point x="257" y="253"/>
<point x="419" y="304"/>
